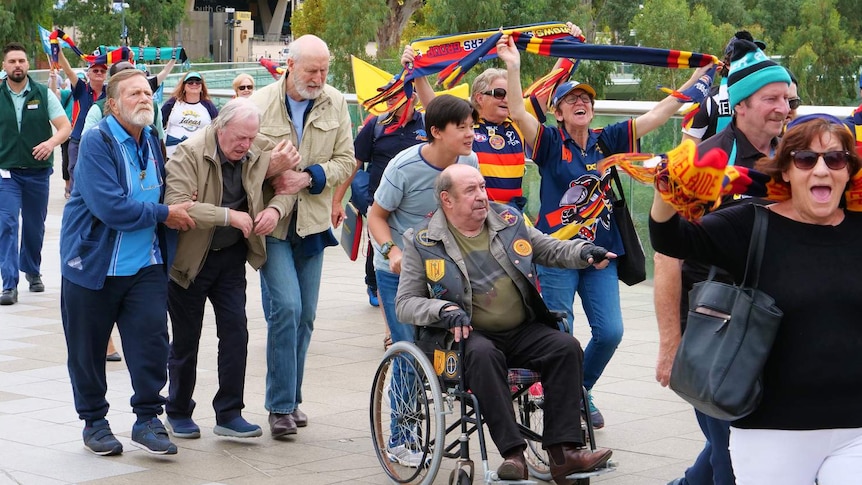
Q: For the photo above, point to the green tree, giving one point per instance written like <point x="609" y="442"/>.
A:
<point x="149" y="22"/>
<point x="18" y="22"/>
<point x="689" y="30"/>
<point x="821" y="54"/>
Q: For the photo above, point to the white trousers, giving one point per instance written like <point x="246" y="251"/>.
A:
<point x="782" y="457"/>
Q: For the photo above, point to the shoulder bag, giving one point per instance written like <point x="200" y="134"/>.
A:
<point x="631" y="267"/>
<point x="727" y="339"/>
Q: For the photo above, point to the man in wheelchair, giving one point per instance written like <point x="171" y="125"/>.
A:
<point x="469" y="269"/>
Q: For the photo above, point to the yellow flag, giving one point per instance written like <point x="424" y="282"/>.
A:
<point x="367" y="78"/>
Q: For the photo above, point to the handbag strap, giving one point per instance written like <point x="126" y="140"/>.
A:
<point x="619" y="195"/>
<point x="756" y="247"/>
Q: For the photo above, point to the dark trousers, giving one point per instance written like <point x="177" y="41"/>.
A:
<point x="138" y="305"/>
<point x="222" y="280"/>
<point x="64" y="152"/>
<point x="555" y="354"/>
<point x="370" y="272"/>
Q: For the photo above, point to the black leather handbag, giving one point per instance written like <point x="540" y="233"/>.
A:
<point x="631" y="267"/>
<point x="727" y="339"/>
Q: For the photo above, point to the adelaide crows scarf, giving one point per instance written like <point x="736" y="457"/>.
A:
<point x="451" y="56"/>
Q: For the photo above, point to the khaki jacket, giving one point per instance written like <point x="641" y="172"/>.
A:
<point x="195" y="168"/>
<point x="327" y="141"/>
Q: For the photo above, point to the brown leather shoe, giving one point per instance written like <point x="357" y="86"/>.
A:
<point x="299" y="418"/>
<point x="513" y="468"/>
<point x="566" y="459"/>
<point x="281" y="425"/>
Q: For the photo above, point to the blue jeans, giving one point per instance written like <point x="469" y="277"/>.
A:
<point x="290" y="285"/>
<point x="600" y="295"/>
<point x="405" y="386"/>
<point x="25" y="193"/>
<point x="712" y="466"/>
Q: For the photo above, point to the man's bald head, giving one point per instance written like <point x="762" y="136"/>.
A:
<point x="308" y="45"/>
<point x="460" y="191"/>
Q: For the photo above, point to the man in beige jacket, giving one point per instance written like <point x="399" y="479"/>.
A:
<point x="301" y="108"/>
<point x="223" y="170"/>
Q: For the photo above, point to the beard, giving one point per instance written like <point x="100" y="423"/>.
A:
<point x="140" y="116"/>
<point x="16" y="76"/>
<point x="308" y="92"/>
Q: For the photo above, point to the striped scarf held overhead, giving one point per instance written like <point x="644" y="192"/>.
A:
<point x="54" y="39"/>
<point x="148" y="54"/>
<point x="452" y="56"/>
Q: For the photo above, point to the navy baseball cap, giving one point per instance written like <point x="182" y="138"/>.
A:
<point x="569" y="86"/>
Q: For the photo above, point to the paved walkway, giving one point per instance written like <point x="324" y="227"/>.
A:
<point x="652" y="432"/>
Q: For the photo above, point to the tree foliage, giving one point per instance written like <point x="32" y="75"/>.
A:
<point x="18" y="21"/>
<point x="821" y="55"/>
<point x="149" y="22"/>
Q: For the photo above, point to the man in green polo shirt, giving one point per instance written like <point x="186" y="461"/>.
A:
<point x="27" y="111"/>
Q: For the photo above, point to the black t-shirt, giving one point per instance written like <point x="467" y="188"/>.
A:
<point x="813" y="377"/>
<point x="378" y="151"/>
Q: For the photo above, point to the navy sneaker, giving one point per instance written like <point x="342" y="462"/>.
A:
<point x="99" y="439"/>
<point x="152" y="436"/>
<point x="238" y="427"/>
<point x="183" y="428"/>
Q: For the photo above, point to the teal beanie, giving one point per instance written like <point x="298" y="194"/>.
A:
<point x="750" y="70"/>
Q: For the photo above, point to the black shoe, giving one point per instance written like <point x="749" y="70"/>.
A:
<point x="9" y="297"/>
<point x="36" y="285"/>
<point x="115" y="357"/>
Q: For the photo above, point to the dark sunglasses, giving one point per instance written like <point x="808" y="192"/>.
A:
<point x="807" y="159"/>
<point x="194" y="81"/>
<point x="245" y="88"/>
<point x="497" y="93"/>
<point x="794" y="102"/>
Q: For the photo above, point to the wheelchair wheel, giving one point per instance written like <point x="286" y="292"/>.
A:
<point x="530" y="413"/>
<point x="407" y="424"/>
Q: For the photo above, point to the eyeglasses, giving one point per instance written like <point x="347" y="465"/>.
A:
<point x="194" y="82"/>
<point x="794" y="102"/>
<point x="98" y="71"/>
<point x="807" y="159"/>
<point x="573" y="98"/>
<point x="245" y="88"/>
<point x="497" y="93"/>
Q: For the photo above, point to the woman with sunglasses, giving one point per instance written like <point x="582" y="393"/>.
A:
<point x="243" y="85"/>
<point x="574" y="199"/>
<point x="498" y="141"/>
<point x="808" y="425"/>
<point x="188" y="110"/>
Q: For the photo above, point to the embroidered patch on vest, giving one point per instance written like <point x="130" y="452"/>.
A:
<point x="422" y="238"/>
<point x="522" y="247"/>
<point x="435" y="269"/>
<point x="509" y="217"/>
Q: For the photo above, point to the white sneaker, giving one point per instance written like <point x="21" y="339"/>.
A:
<point x="404" y="456"/>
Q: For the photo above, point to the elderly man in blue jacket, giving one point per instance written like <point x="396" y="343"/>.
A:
<point x="116" y="244"/>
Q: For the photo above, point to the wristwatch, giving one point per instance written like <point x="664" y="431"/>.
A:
<point x="386" y="248"/>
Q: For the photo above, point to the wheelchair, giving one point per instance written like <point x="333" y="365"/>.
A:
<point x="415" y="389"/>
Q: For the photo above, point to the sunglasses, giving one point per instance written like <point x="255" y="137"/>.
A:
<point x="497" y="93"/>
<point x="245" y="88"/>
<point x="807" y="159"/>
<point x="195" y="82"/>
<point x="794" y="102"/>
<point x="573" y="98"/>
<point x="98" y="71"/>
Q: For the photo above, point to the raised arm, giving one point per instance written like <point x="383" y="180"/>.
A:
<point x="163" y="74"/>
<point x="67" y="68"/>
<point x="526" y="122"/>
<point x="666" y="108"/>
<point x="421" y="85"/>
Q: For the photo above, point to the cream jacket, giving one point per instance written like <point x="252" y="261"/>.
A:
<point x="327" y="141"/>
<point x="195" y="168"/>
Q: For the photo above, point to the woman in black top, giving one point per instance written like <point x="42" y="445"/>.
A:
<point x="809" y="424"/>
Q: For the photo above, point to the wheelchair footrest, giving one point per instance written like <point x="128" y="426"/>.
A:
<point x="610" y="466"/>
